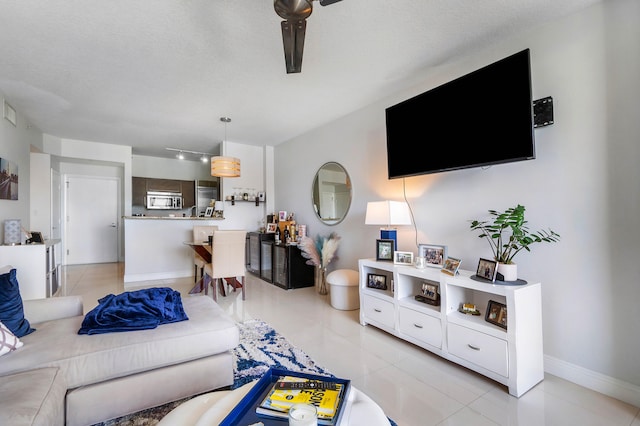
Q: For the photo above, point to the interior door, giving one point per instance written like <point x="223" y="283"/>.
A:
<point x="56" y="205"/>
<point x="91" y="229"/>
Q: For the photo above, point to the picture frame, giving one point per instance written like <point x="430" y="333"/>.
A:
<point x="384" y="249"/>
<point x="282" y="215"/>
<point x="429" y="293"/>
<point x="208" y="212"/>
<point x="487" y="269"/>
<point x="403" y="258"/>
<point x="377" y="281"/>
<point x="434" y="253"/>
<point x="36" y="237"/>
<point x="451" y="265"/>
<point x="496" y="314"/>
<point x="271" y="228"/>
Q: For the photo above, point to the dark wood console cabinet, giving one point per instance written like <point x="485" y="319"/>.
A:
<point x="279" y="264"/>
<point x="290" y="269"/>
<point x="255" y="258"/>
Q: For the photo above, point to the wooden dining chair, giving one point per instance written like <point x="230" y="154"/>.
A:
<point x="200" y="233"/>
<point x="227" y="260"/>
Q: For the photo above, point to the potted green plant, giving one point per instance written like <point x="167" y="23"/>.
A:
<point x="508" y="235"/>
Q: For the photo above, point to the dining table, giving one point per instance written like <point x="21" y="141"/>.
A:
<point x="204" y="250"/>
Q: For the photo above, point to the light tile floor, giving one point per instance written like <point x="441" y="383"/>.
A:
<point x="413" y="386"/>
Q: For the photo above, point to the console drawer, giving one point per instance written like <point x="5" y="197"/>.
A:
<point x="378" y="310"/>
<point x="421" y="326"/>
<point x="481" y="349"/>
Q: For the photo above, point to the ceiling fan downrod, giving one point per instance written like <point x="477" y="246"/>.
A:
<point x="295" y="13"/>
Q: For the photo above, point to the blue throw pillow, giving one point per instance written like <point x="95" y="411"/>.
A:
<point x="11" y="310"/>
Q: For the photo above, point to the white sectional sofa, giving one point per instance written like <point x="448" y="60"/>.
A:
<point x="60" y="377"/>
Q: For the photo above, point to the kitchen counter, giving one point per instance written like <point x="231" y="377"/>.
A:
<point x="172" y="218"/>
<point x="154" y="247"/>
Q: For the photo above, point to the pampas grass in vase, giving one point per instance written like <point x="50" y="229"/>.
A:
<point x="319" y="253"/>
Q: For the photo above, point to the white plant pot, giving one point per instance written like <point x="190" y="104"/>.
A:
<point x="509" y="271"/>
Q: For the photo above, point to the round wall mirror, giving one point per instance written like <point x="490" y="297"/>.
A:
<point x="331" y="193"/>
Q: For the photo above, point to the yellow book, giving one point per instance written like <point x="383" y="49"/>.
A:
<point x="325" y="400"/>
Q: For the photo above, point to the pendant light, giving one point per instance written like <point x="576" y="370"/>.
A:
<point x="225" y="166"/>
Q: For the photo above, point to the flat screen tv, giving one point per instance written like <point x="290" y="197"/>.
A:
<point x="480" y="119"/>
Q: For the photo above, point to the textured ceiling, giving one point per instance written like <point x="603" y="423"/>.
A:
<point x="153" y="74"/>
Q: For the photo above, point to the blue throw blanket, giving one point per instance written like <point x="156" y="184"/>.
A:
<point x="134" y="310"/>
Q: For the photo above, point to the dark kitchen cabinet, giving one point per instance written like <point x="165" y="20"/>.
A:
<point x="290" y="269"/>
<point x="188" y="189"/>
<point x="138" y="191"/>
<point x="164" y="185"/>
<point x="141" y="185"/>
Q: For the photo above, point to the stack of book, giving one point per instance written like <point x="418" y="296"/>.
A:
<point x="289" y="390"/>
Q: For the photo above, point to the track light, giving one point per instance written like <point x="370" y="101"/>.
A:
<point x="204" y="156"/>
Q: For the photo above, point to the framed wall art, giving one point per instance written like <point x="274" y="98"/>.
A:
<point x="496" y="314"/>
<point x="384" y="249"/>
<point x="433" y="253"/>
<point x="9" y="179"/>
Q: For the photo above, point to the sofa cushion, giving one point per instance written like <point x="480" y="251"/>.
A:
<point x="8" y="342"/>
<point x="11" y="310"/>
<point x="88" y="359"/>
<point x="33" y="398"/>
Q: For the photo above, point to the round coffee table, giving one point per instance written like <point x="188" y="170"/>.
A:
<point x="211" y="408"/>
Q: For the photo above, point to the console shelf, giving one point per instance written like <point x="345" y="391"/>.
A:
<point x="465" y="339"/>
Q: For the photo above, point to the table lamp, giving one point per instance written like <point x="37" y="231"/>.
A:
<point x="388" y="214"/>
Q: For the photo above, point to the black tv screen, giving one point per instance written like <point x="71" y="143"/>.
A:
<point x="480" y="119"/>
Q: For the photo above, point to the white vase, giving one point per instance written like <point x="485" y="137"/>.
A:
<point x="509" y="271"/>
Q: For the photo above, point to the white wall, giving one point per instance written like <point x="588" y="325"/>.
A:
<point x="244" y="215"/>
<point x="40" y="193"/>
<point x="167" y="168"/>
<point x="16" y="142"/>
<point x="583" y="184"/>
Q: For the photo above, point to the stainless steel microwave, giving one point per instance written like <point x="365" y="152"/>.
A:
<point x="163" y="200"/>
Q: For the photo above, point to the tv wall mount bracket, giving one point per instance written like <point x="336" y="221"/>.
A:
<point x="543" y="112"/>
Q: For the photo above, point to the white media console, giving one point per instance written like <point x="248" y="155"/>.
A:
<point x="511" y="356"/>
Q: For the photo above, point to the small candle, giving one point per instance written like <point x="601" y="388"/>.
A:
<point x="303" y="415"/>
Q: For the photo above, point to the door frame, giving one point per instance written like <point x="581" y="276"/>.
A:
<point x="65" y="211"/>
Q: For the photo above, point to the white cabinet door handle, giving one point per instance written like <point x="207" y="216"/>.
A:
<point x="377" y="310"/>
<point x="417" y="326"/>
<point x="475" y="348"/>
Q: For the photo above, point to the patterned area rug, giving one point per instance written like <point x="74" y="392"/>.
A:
<point x="260" y="348"/>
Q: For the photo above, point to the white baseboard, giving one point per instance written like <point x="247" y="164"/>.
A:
<point x="606" y="385"/>
<point x="136" y="278"/>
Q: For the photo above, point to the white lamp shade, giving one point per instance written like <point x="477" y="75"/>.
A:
<point x="225" y="167"/>
<point x="387" y="213"/>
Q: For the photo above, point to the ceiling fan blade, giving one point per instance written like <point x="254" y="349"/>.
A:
<point x="328" y="2"/>
<point x="293" y="41"/>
